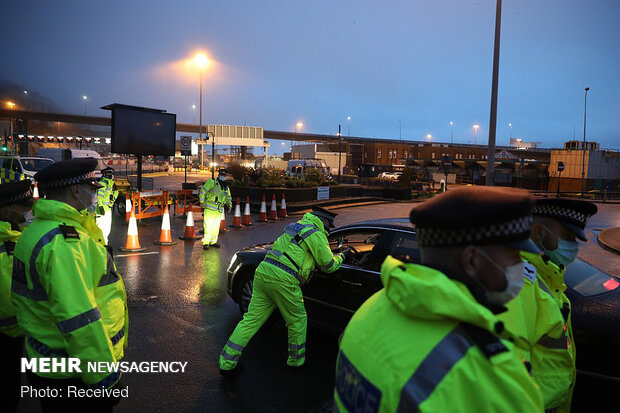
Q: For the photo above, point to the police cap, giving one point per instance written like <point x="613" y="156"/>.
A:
<point x="476" y="216"/>
<point x="18" y="192"/>
<point x="573" y="214"/>
<point x="325" y="214"/>
<point x="107" y="171"/>
<point x="67" y="173"/>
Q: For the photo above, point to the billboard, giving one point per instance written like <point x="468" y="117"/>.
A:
<point x="142" y="131"/>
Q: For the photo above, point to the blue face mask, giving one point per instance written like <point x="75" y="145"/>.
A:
<point x="565" y="253"/>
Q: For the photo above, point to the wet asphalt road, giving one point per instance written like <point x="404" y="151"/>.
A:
<point x="179" y="311"/>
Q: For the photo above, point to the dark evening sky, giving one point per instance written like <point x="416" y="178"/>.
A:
<point x="395" y="67"/>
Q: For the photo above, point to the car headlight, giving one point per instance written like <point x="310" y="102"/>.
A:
<point x="232" y="262"/>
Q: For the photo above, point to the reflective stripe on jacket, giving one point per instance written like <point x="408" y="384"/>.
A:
<point x="416" y="346"/>
<point x="301" y="248"/>
<point x="213" y="196"/>
<point x="8" y="321"/>
<point x="68" y="296"/>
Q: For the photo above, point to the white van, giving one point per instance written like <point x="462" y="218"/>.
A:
<point x="62" y="154"/>
<point x="13" y="167"/>
<point x="298" y="167"/>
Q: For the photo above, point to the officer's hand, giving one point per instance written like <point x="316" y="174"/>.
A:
<point x="348" y="253"/>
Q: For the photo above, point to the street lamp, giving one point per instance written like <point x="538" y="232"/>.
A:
<point x="583" y="158"/>
<point x="11" y="105"/>
<point x="348" y="125"/>
<point x="429" y="136"/>
<point x="201" y="62"/>
<point x="339" y="152"/>
<point x="194" y="114"/>
<point x="451" y="132"/>
<point x="476" y="126"/>
<point x="85" y="99"/>
<point x="510" y="125"/>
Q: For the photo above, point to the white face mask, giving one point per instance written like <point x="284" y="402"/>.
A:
<point x="514" y="282"/>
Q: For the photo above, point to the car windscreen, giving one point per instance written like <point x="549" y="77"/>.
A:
<point x="35" y="164"/>
<point x="588" y="280"/>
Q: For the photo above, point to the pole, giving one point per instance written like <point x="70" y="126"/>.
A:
<point x="139" y="173"/>
<point x="559" y="180"/>
<point x="583" y="158"/>
<point x="339" y="152"/>
<point x="493" y="120"/>
<point x="213" y="155"/>
<point x="451" y="132"/>
<point x="185" y="168"/>
<point x="202" y="155"/>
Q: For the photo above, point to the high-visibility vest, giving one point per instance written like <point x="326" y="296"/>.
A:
<point x="8" y="321"/>
<point x="213" y="196"/>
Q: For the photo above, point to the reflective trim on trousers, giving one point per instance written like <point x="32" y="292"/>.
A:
<point x="433" y="369"/>
<point x="230" y="357"/>
<point x="297" y="356"/>
<point x="79" y="321"/>
<point x="296" y="347"/>
<point x="234" y="346"/>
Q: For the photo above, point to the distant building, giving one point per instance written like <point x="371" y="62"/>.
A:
<point x="324" y="152"/>
<point x="518" y="143"/>
<point x="602" y="167"/>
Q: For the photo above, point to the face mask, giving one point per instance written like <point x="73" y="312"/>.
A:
<point x="514" y="282"/>
<point x="565" y="253"/>
<point x="93" y="203"/>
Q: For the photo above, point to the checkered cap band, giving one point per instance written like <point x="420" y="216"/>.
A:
<point x="73" y="180"/>
<point x="562" y="213"/>
<point x="501" y="232"/>
<point x="17" y="198"/>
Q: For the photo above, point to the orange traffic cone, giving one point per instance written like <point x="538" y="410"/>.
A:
<point x="247" y="218"/>
<point x="223" y="223"/>
<point x="262" y="217"/>
<point x="128" y="207"/>
<point x="273" y="214"/>
<point x="190" y="229"/>
<point x="133" y="243"/>
<point x="35" y="191"/>
<point x="237" y="218"/>
<point x="165" y="236"/>
<point x="283" y="213"/>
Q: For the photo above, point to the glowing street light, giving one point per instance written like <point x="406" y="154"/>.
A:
<point x="11" y="105"/>
<point x="510" y="125"/>
<point x="476" y="126"/>
<point x="451" y="132"/>
<point x="194" y="117"/>
<point x="85" y="99"/>
<point x="429" y="136"/>
<point x="25" y="92"/>
<point x="348" y="125"/>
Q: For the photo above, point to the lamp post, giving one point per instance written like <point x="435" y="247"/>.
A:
<point x="451" y="132"/>
<point x="348" y="125"/>
<point x="476" y="126"/>
<point x="510" y="125"/>
<point x="194" y="114"/>
<point x="298" y="126"/>
<point x="85" y="99"/>
<point x="583" y="158"/>
<point x="212" y="135"/>
<point x="339" y="152"/>
<point x="201" y="61"/>
<point x="429" y="136"/>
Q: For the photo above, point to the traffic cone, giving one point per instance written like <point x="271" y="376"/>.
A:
<point x="35" y="192"/>
<point x="133" y="243"/>
<point x="128" y="207"/>
<point x="165" y="237"/>
<point x="283" y="213"/>
<point x="262" y="217"/>
<point x="223" y="223"/>
<point x="273" y="214"/>
<point x="190" y="230"/>
<point x="237" y="218"/>
<point x="247" y="218"/>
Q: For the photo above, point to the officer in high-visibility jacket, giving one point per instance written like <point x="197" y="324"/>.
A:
<point x="214" y="196"/>
<point x="430" y="340"/>
<point x="106" y="196"/>
<point x="15" y="206"/>
<point x="68" y="296"/>
<point x="277" y="284"/>
<point x="541" y="312"/>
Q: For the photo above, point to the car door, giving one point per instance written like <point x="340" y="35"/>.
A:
<point x="331" y="299"/>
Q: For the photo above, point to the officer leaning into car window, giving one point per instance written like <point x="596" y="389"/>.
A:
<point x="429" y="341"/>
<point x="106" y="196"/>
<point x="541" y="312"/>
<point x="15" y="206"/>
<point x="68" y="296"/>
<point x="214" y="196"/>
<point x="277" y="284"/>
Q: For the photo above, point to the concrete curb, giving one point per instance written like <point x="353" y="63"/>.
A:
<point x="610" y="239"/>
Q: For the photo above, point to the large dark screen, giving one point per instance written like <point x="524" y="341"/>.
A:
<point x="143" y="132"/>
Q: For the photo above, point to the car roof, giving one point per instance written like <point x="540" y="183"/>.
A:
<point x="402" y="223"/>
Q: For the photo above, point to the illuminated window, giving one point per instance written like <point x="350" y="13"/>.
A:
<point x="379" y="154"/>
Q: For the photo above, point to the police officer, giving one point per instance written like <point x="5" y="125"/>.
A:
<point x="541" y="312"/>
<point x="214" y="196"/>
<point x="68" y="296"/>
<point x="106" y="196"/>
<point x="15" y="205"/>
<point x="277" y="280"/>
<point x="429" y="340"/>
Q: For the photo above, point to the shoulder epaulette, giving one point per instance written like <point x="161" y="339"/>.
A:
<point x="529" y="272"/>
<point x="69" y="232"/>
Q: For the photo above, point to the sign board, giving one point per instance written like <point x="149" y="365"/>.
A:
<point x="446" y="161"/>
<point x="322" y="192"/>
<point x="186" y="146"/>
<point x="560" y="166"/>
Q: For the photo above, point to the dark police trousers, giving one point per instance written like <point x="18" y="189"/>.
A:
<point x="11" y="349"/>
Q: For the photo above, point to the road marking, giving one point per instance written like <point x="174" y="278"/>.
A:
<point x="134" y="255"/>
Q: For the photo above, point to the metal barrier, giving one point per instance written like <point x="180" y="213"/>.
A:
<point x="187" y="200"/>
<point x="147" y="204"/>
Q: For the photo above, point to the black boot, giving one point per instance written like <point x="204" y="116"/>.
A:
<point x="231" y="373"/>
<point x="216" y="245"/>
<point x="205" y="247"/>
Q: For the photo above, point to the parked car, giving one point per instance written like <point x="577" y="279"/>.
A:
<point x="390" y="175"/>
<point x="23" y="165"/>
<point x="331" y="299"/>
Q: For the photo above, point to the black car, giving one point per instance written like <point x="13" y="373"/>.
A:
<point x="331" y="299"/>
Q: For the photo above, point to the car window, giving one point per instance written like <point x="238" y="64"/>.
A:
<point x="588" y="280"/>
<point x="369" y="244"/>
<point x="15" y="165"/>
<point x="404" y="247"/>
<point x="34" y="165"/>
